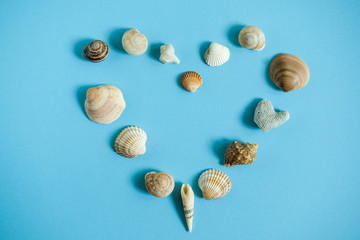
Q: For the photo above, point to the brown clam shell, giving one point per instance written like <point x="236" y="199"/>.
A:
<point x="191" y="81"/>
<point x="240" y="153"/>
<point x="96" y="51"/>
<point x="289" y="72"/>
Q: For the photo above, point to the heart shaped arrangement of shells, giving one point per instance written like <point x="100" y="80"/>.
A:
<point x="105" y="103"/>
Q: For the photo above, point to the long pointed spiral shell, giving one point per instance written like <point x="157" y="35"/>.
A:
<point x="159" y="184"/>
<point x="214" y="184"/>
<point x="216" y="55"/>
<point x="104" y="103"/>
<point x="240" y="153"/>
<point x="134" y="42"/>
<point x="131" y="142"/>
<point x="252" y="37"/>
<point x="191" y="81"/>
<point x="187" y="196"/>
<point x="289" y="72"/>
<point x="96" y="51"/>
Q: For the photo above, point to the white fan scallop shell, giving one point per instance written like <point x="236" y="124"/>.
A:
<point x="216" y="55"/>
<point x="214" y="184"/>
<point x="131" y="142"/>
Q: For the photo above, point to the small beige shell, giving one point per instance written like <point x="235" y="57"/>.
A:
<point x="252" y="37"/>
<point x="96" y="51"/>
<point x="214" y="184"/>
<point x="240" y="153"/>
<point x="134" y="42"/>
<point x="131" y="142"/>
<point x="187" y="196"/>
<point x="289" y="72"/>
<point x="191" y="81"/>
<point x="168" y="54"/>
<point x="159" y="184"/>
<point x="216" y="55"/>
<point x="104" y="103"/>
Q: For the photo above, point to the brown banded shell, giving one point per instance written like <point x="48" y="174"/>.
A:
<point x="289" y="72"/>
<point x="240" y="153"/>
<point x="104" y="103"/>
<point x="252" y="37"/>
<point x="214" y="184"/>
<point x="159" y="184"/>
<point x="191" y="81"/>
<point x="131" y="142"/>
<point x="96" y="51"/>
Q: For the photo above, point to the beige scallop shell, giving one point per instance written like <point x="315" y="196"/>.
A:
<point x="131" y="142"/>
<point x="289" y="72"/>
<point x="134" y="42"/>
<point x="191" y="81"/>
<point x="252" y="37"/>
<point x="214" y="184"/>
<point x="216" y="55"/>
<point x="104" y="103"/>
<point x="159" y="184"/>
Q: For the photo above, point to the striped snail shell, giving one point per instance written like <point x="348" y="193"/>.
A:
<point x="96" y="51"/>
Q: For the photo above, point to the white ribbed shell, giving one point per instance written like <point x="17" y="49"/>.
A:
<point x="216" y="55"/>
<point x="131" y="142"/>
<point x="214" y="184"/>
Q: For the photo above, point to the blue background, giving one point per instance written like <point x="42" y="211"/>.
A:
<point x="61" y="179"/>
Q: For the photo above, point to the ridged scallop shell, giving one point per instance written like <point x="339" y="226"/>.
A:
<point x="240" y="153"/>
<point x="131" y="142"/>
<point x="216" y="55"/>
<point x="187" y="196"/>
<point x="214" y="184"/>
<point x="96" y="51"/>
<point x="168" y="54"/>
<point x="134" y="42"/>
<point x="191" y="81"/>
<point x="252" y="37"/>
<point x="104" y="103"/>
<point x="289" y="72"/>
<point x="159" y="184"/>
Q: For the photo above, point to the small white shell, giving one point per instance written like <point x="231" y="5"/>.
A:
<point x="134" y="42"/>
<point x="168" y="54"/>
<point x="252" y="37"/>
<point x="214" y="184"/>
<point x="216" y="55"/>
<point x="187" y="196"/>
<point x="131" y="142"/>
<point x="159" y="184"/>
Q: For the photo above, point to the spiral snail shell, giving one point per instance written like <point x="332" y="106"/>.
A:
<point x="252" y="37"/>
<point x="134" y="42"/>
<point x="96" y="51"/>
<point x="159" y="184"/>
<point x="289" y="72"/>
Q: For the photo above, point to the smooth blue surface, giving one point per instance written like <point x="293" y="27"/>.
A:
<point x="60" y="178"/>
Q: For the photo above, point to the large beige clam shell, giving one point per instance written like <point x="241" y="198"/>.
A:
<point x="187" y="196"/>
<point x="131" y="142"/>
<point x="104" y="103"/>
<point x="252" y="37"/>
<point x="216" y="55"/>
<point x="134" y="42"/>
<point x="159" y="184"/>
<point x="214" y="184"/>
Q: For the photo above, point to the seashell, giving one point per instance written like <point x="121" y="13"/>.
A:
<point x="96" y="51"/>
<point x="104" y="103"/>
<point x="159" y="184"/>
<point x="134" y="42"/>
<point x="252" y="37"/>
<point x="168" y="54"/>
<point x="187" y="196"/>
<point x="131" y="142"/>
<point x="191" y="81"/>
<point x="266" y="118"/>
<point x="289" y="72"/>
<point x="240" y="153"/>
<point x="214" y="184"/>
<point x="216" y="55"/>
